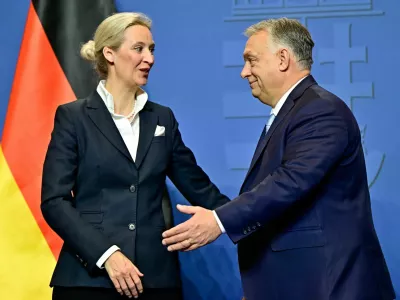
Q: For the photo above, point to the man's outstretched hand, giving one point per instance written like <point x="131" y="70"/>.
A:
<point x="201" y="229"/>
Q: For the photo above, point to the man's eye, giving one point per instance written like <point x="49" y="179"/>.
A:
<point x="138" y="49"/>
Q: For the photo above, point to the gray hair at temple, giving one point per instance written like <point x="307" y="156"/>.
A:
<point x="288" y="33"/>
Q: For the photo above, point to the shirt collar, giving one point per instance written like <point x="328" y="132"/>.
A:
<point x="281" y="101"/>
<point x="141" y="99"/>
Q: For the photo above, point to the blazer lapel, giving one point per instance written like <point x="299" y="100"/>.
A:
<point x="148" y="124"/>
<point x="287" y="106"/>
<point x="101" y="117"/>
<point x="264" y="141"/>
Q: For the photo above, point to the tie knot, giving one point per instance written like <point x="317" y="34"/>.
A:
<point x="269" y="123"/>
<point x="270" y="119"/>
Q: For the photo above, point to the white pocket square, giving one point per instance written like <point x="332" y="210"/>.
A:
<point x="160" y="131"/>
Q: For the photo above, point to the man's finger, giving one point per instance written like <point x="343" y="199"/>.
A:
<point x="183" y="227"/>
<point x="186" y="209"/>
<point x="191" y="247"/>
<point x="179" y="246"/>
<point x="175" y="239"/>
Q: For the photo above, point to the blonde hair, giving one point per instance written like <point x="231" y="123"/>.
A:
<point x="290" y="33"/>
<point x="110" y="33"/>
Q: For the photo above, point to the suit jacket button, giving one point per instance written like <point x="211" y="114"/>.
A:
<point x="132" y="188"/>
<point x="244" y="231"/>
<point x="131" y="227"/>
<point x="248" y="229"/>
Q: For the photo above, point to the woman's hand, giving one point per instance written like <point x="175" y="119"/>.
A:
<point x="124" y="275"/>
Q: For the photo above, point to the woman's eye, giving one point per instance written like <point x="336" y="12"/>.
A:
<point x="138" y="49"/>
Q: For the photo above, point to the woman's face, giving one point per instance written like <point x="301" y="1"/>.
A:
<point x="134" y="58"/>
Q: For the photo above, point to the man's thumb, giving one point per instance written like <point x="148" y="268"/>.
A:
<point x="186" y="209"/>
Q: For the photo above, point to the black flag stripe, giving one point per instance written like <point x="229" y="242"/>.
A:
<point x="68" y="24"/>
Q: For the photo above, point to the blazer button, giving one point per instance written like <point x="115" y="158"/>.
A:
<point x="131" y="227"/>
<point x="132" y="188"/>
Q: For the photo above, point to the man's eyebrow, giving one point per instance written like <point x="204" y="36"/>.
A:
<point x="247" y="54"/>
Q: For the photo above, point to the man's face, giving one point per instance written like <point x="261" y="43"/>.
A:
<point x="261" y="67"/>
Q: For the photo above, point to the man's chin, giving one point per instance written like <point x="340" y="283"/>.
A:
<point x="255" y="93"/>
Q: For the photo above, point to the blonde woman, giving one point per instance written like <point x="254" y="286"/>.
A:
<point x="104" y="175"/>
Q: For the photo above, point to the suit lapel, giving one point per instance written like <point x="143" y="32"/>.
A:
<point x="264" y="141"/>
<point x="287" y="106"/>
<point x="148" y="124"/>
<point x="101" y="117"/>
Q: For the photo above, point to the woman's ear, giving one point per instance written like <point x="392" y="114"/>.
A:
<point x="109" y="54"/>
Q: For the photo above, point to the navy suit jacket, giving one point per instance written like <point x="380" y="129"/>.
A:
<point x="303" y="219"/>
<point x="95" y="196"/>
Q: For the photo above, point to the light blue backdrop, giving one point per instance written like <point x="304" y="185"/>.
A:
<point x="198" y="62"/>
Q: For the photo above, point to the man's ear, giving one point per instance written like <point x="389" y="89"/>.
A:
<point x="284" y="59"/>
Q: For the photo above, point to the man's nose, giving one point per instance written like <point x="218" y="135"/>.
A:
<point x="245" y="71"/>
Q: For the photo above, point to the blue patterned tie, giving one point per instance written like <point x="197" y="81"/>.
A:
<point x="269" y="123"/>
<point x="261" y="141"/>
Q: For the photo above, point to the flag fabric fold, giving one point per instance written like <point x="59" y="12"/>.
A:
<point x="49" y="72"/>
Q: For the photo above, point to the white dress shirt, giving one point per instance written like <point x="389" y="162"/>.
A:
<point x="275" y="110"/>
<point x="129" y="128"/>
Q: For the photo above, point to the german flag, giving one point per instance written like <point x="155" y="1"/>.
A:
<point x="49" y="72"/>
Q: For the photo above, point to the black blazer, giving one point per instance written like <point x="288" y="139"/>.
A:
<point x="94" y="195"/>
